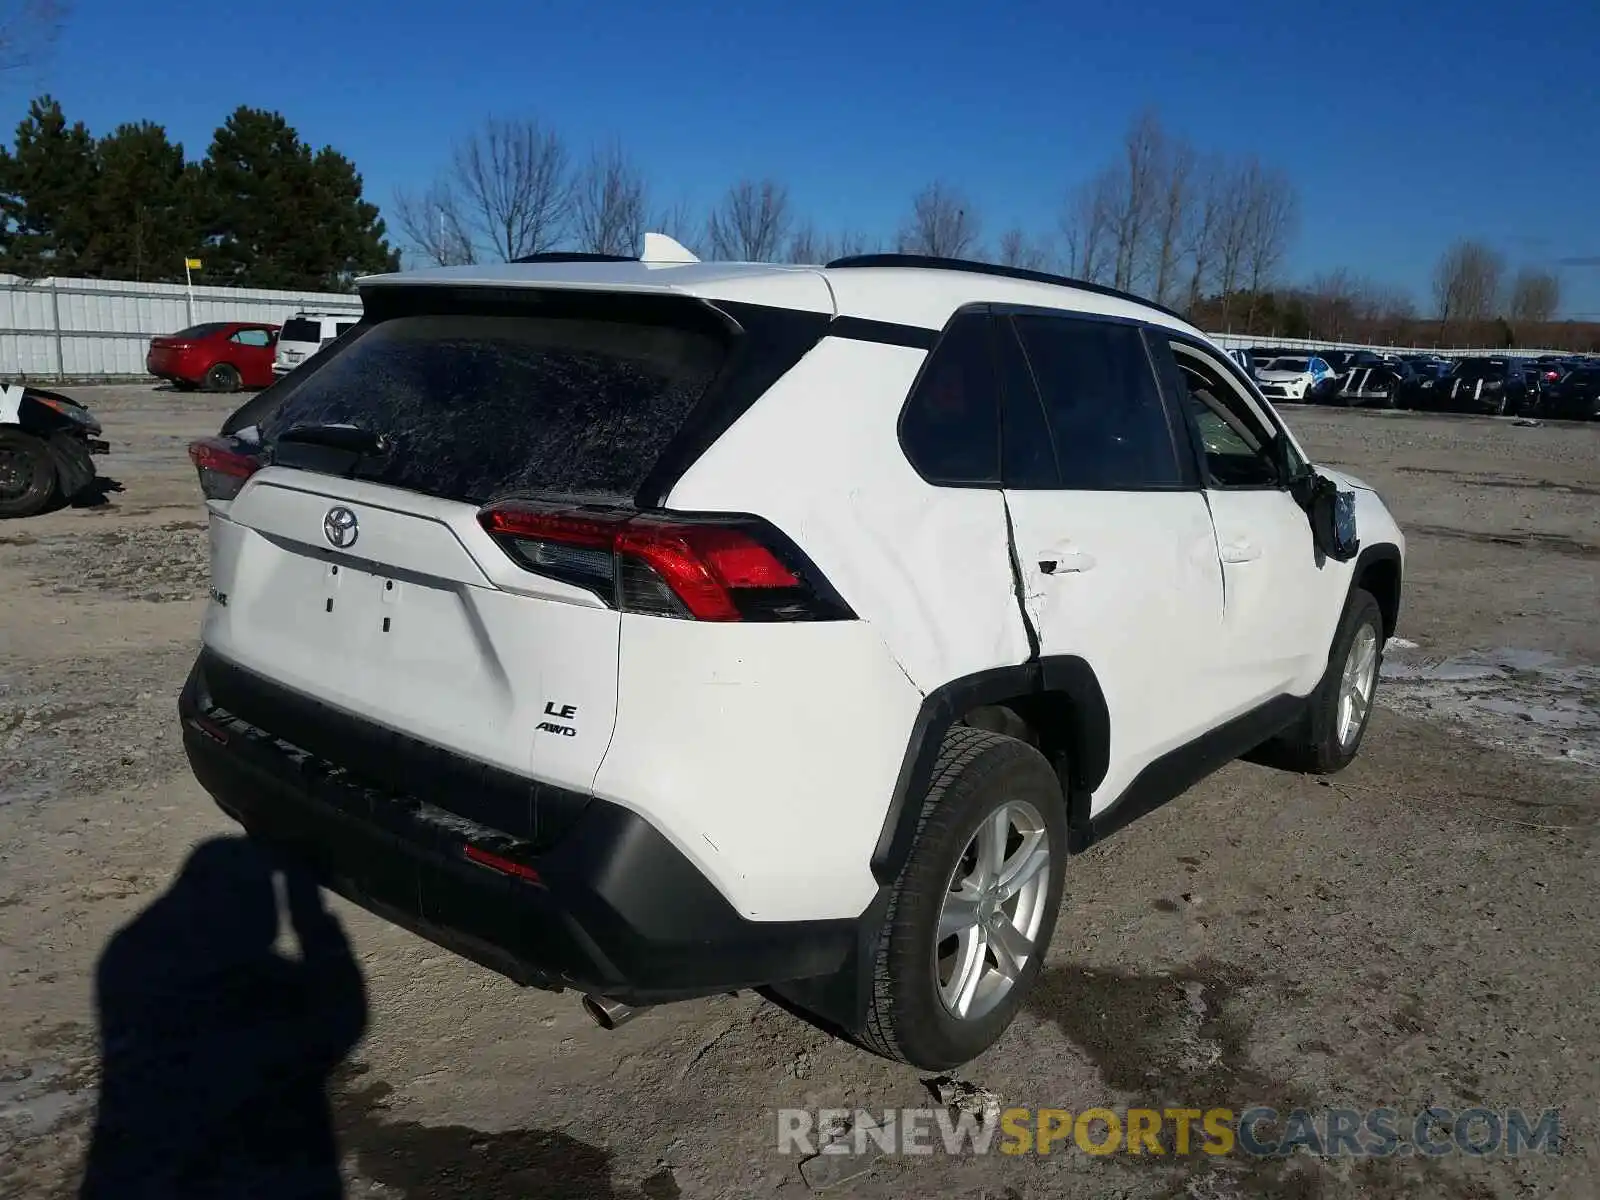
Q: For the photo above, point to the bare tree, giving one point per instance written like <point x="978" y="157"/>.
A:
<point x="1272" y="209"/>
<point x="28" y="30"/>
<point x="513" y="185"/>
<point x="809" y="246"/>
<point x="1176" y="185"/>
<point x="942" y="224"/>
<point x="1535" y="296"/>
<point x="1018" y="249"/>
<point x="1203" y="225"/>
<point x="1129" y="196"/>
<point x="1086" y="229"/>
<point x="1333" y="302"/>
<point x="752" y="222"/>
<point x="608" y="204"/>
<point x="1232" y="235"/>
<point x="431" y="222"/>
<point x="1466" y="282"/>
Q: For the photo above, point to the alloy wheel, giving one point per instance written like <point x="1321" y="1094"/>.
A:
<point x="992" y="911"/>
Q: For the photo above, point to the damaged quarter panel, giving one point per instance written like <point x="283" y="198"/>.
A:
<point x="899" y="551"/>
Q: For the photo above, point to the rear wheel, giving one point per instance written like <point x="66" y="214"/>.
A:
<point x="223" y="377"/>
<point x="975" y="905"/>
<point x="27" y="474"/>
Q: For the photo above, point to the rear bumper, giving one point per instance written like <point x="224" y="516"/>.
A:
<point x="616" y="908"/>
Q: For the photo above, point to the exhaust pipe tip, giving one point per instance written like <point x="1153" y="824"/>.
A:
<point x="608" y="1013"/>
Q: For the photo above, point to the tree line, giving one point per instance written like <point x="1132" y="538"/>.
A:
<point x="1201" y="232"/>
<point x="1197" y="231"/>
<point x="261" y="209"/>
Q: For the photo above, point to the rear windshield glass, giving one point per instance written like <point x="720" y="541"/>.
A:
<point x="298" y="329"/>
<point x="196" y="332"/>
<point x="485" y="406"/>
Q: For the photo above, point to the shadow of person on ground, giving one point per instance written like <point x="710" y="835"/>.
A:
<point x="215" y="1049"/>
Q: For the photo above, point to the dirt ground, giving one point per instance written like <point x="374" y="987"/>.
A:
<point x="1424" y="929"/>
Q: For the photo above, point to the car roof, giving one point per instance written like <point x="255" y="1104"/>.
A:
<point x="918" y="295"/>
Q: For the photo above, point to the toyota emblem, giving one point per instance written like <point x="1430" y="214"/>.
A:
<point x="340" y="528"/>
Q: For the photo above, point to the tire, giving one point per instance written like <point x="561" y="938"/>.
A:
<point x="978" y="775"/>
<point x="1314" y="744"/>
<point x="27" y="474"/>
<point x="223" y="377"/>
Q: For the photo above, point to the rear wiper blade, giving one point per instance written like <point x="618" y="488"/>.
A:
<point x="352" y="438"/>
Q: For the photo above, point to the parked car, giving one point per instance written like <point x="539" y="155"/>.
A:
<point x="1493" y="385"/>
<point x="1544" y="372"/>
<point x="220" y="356"/>
<point x="1382" y="383"/>
<point x="46" y="443"/>
<point x="596" y="743"/>
<point x="1575" y="396"/>
<point x="1247" y="364"/>
<point x="1296" y="377"/>
<point x="305" y="333"/>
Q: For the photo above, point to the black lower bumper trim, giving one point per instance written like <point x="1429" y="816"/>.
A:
<point x="617" y="909"/>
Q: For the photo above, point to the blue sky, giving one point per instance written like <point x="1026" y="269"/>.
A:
<point x="1404" y="124"/>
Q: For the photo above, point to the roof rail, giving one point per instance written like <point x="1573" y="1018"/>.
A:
<point x="930" y="262"/>
<point x="572" y="256"/>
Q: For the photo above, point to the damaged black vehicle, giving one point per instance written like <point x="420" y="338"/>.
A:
<point x="46" y="443"/>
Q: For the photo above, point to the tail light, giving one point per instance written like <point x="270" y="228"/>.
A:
<point x="668" y="565"/>
<point x="223" y="467"/>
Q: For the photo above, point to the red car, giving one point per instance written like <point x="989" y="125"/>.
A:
<point x="222" y="356"/>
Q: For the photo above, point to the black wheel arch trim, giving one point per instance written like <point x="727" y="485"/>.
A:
<point x="1087" y="741"/>
<point x="1381" y="552"/>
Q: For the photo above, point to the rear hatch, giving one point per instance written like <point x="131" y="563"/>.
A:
<point x="359" y="565"/>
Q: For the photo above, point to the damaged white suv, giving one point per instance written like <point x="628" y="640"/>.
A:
<point x="660" y="628"/>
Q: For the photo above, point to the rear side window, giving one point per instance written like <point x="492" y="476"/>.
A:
<point x="195" y="332"/>
<point x="950" y="428"/>
<point x="342" y="328"/>
<point x="298" y="329"/>
<point x="1107" y="420"/>
<point x="252" y="337"/>
<point x="483" y="406"/>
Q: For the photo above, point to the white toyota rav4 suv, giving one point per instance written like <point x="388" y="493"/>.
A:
<point x="660" y="628"/>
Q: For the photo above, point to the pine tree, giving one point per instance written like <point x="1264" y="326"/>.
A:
<point x="145" y="219"/>
<point x="279" y="216"/>
<point x="46" y="185"/>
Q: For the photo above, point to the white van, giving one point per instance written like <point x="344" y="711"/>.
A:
<point x="304" y="334"/>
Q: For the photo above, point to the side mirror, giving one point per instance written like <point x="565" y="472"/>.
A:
<point x="1332" y="513"/>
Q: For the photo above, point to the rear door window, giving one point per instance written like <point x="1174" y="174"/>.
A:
<point x="477" y="407"/>
<point x="1107" y="420"/>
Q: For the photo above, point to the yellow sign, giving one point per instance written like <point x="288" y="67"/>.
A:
<point x="192" y="263"/>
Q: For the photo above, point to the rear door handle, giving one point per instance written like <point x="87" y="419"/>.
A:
<point x="1240" y="552"/>
<point x="1065" y="562"/>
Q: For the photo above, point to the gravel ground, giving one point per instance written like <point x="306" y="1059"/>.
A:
<point x="1421" y="929"/>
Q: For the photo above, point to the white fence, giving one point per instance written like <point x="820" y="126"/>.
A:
<point x="101" y="328"/>
<point x="1245" y="341"/>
